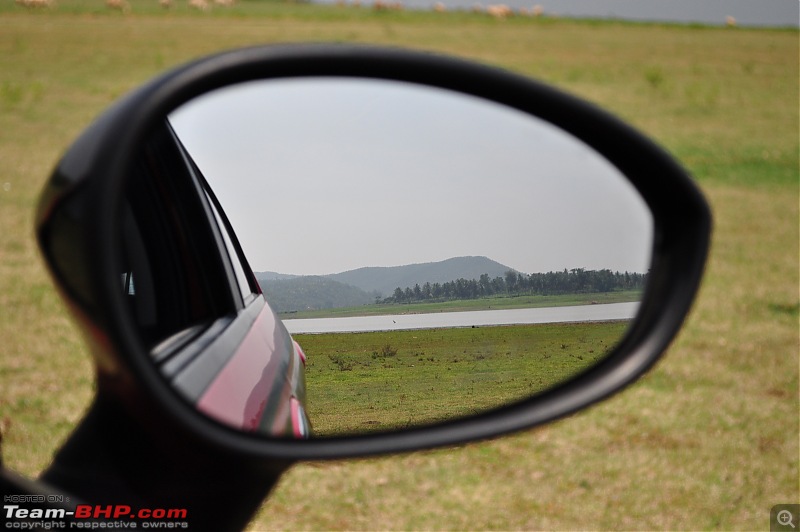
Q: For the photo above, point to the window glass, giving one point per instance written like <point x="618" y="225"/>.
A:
<point x="238" y="268"/>
<point x="171" y="274"/>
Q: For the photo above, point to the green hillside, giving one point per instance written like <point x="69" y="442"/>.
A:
<point x="312" y="293"/>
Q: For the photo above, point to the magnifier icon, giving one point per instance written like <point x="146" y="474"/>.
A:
<point x="785" y="518"/>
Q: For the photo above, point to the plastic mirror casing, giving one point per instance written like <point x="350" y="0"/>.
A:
<point x="78" y="210"/>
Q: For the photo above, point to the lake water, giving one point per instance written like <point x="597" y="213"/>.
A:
<point x="746" y="12"/>
<point x="482" y="318"/>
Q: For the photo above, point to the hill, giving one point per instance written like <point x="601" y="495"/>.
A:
<point x="288" y="293"/>
<point x="385" y="279"/>
<point x="274" y="276"/>
<point x="310" y="292"/>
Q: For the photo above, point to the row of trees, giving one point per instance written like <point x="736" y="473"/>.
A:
<point x="575" y="281"/>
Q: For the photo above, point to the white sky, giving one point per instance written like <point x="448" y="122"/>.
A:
<point x="326" y="175"/>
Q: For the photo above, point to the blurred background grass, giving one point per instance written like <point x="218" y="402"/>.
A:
<point x="709" y="439"/>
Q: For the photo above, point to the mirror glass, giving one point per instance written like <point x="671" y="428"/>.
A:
<point x="435" y="254"/>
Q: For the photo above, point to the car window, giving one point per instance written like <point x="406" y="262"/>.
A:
<point x="171" y="273"/>
<point x="240" y="271"/>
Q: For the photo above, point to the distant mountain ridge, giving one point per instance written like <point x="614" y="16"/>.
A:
<point x="361" y="286"/>
<point x="274" y="276"/>
<point x="385" y="279"/>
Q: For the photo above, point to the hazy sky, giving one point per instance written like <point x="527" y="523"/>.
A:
<point x="326" y="175"/>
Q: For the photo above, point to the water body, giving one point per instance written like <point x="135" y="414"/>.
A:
<point x="481" y="318"/>
<point x="774" y="13"/>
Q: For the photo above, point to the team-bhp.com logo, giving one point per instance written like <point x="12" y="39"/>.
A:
<point x="22" y="516"/>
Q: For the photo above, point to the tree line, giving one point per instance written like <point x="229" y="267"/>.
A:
<point x="574" y="281"/>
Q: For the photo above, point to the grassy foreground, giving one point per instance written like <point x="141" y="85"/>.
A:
<point x="388" y="380"/>
<point x="708" y="440"/>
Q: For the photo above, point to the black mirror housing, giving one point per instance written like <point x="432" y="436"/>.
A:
<point x="79" y="209"/>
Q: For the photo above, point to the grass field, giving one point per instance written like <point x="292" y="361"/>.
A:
<point x="393" y="379"/>
<point x="707" y="440"/>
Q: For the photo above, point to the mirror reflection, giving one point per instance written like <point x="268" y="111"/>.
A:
<point x="434" y="254"/>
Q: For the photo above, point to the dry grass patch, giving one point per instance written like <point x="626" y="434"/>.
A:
<point x="709" y="439"/>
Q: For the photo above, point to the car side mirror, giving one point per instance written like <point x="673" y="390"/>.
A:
<point x="313" y="143"/>
<point x="327" y="159"/>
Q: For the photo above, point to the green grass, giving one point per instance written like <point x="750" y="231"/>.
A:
<point x="707" y="440"/>
<point x="461" y="305"/>
<point x="389" y="380"/>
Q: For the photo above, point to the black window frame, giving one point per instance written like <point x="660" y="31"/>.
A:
<point x="222" y="228"/>
<point x="172" y="234"/>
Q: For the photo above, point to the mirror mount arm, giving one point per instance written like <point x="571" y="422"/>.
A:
<point x="218" y="492"/>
